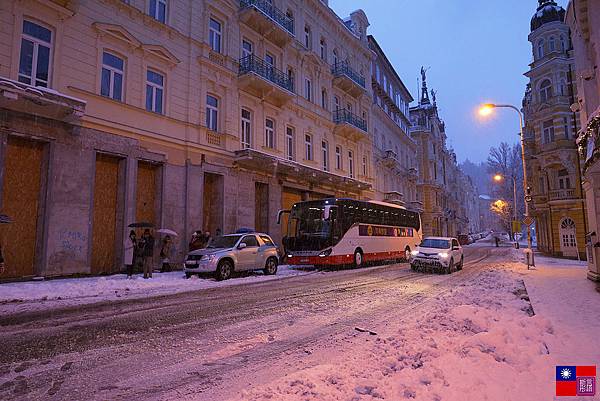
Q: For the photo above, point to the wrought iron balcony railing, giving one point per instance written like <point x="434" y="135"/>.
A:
<point x="253" y="64"/>
<point x="342" y="68"/>
<point x="270" y="11"/>
<point x="341" y="116"/>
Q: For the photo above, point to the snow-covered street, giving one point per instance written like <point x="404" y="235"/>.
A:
<point x="493" y="331"/>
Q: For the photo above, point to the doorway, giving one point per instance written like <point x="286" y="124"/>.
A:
<point x="213" y="201"/>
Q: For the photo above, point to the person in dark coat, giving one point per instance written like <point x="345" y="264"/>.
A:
<point x="148" y="252"/>
<point x="197" y="241"/>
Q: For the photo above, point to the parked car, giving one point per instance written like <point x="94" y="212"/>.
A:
<point x="441" y="254"/>
<point x="463" y="239"/>
<point x="232" y="253"/>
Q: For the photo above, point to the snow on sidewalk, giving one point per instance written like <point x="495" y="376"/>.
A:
<point x="479" y="341"/>
<point x="35" y="295"/>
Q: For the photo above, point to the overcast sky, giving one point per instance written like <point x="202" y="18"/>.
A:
<point x="477" y="51"/>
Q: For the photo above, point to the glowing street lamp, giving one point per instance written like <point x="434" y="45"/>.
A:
<point x="487" y="109"/>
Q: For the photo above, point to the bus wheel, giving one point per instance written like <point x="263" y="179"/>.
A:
<point x="358" y="258"/>
<point x="407" y="254"/>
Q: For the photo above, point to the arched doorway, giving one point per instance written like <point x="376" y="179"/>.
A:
<point x="568" y="241"/>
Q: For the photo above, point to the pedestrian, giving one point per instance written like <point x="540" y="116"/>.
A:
<point x="497" y="241"/>
<point x="196" y="242"/>
<point x="130" y="253"/>
<point x="218" y="232"/>
<point x="206" y="238"/>
<point x="165" y="253"/>
<point x="148" y="252"/>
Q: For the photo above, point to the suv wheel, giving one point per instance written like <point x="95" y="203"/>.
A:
<point x="407" y="254"/>
<point x="450" y="266"/>
<point x="270" y="266"/>
<point x="224" y="270"/>
<point x="462" y="263"/>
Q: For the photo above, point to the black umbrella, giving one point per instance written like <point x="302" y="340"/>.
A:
<point x="4" y="219"/>
<point x="141" y="224"/>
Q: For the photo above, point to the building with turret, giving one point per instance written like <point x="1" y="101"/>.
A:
<point x="551" y="126"/>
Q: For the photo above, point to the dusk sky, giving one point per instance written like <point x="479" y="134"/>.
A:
<point x="477" y="51"/>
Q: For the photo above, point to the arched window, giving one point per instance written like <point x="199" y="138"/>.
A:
<point x="540" y="49"/>
<point x="563" y="87"/>
<point x="545" y="90"/>
<point x="307" y="37"/>
<point x="335" y="56"/>
<point x="552" y="44"/>
<point x="563" y="43"/>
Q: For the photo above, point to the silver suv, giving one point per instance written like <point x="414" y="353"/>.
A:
<point x="234" y="252"/>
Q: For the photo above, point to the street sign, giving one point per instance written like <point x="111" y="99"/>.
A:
<point x="528" y="221"/>
<point x="516" y="226"/>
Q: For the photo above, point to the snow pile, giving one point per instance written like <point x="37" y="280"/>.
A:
<point x="480" y="340"/>
<point x="94" y="289"/>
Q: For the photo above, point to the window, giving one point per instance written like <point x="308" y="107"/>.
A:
<point x="34" y="63"/>
<point x="335" y="57"/>
<point x="377" y="73"/>
<point x="364" y="166"/>
<point x="247" y="48"/>
<point x="158" y="10"/>
<point x="250" y="241"/>
<point x="563" y="87"/>
<point x="308" y="147"/>
<point x="307" y="37"/>
<point x="552" y="43"/>
<point x="154" y="91"/>
<point x="214" y="35"/>
<point x="336" y="103"/>
<point x="290" y="74"/>
<point x="325" y="154"/>
<point x="545" y="90"/>
<point x="246" y="129"/>
<point x="323" y="48"/>
<point x="270" y="59"/>
<point x="566" y="123"/>
<point x="111" y="84"/>
<point x="338" y="157"/>
<point x="548" y="131"/>
<point x="564" y="181"/>
<point x="351" y="164"/>
<point x="269" y="133"/>
<point x="540" y="48"/>
<point x="308" y="89"/>
<point x="212" y="113"/>
<point x="563" y="43"/>
<point x="324" y="98"/>
<point x="289" y="143"/>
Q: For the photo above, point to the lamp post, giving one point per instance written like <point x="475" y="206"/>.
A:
<point x="486" y="110"/>
<point x="498" y="178"/>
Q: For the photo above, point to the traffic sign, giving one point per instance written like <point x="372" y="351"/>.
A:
<point x="528" y="221"/>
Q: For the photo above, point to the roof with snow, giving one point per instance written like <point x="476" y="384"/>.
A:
<point x="547" y="11"/>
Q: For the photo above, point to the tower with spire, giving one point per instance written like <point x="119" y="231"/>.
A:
<point x="550" y="131"/>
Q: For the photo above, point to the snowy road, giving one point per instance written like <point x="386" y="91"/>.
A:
<point x="243" y="342"/>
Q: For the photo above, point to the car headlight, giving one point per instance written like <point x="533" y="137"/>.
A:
<point x="443" y="255"/>
<point x="414" y="253"/>
<point x="208" y="257"/>
<point x="325" y="253"/>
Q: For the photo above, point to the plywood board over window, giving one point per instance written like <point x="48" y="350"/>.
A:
<point x="104" y="224"/>
<point x="288" y="198"/>
<point x="147" y="192"/>
<point x="21" y="197"/>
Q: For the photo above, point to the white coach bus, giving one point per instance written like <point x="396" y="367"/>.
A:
<point x="330" y="232"/>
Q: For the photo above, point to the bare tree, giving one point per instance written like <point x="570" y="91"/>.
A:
<point x="505" y="160"/>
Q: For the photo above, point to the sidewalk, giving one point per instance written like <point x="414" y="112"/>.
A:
<point x="560" y="292"/>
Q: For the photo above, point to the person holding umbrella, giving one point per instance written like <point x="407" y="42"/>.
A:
<point x="148" y="252"/>
<point x="165" y="253"/>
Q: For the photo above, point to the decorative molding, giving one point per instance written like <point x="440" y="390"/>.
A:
<point x="117" y="32"/>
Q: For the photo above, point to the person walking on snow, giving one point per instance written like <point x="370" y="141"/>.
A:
<point x="130" y="253"/>
<point x="148" y="252"/>
<point x="165" y="253"/>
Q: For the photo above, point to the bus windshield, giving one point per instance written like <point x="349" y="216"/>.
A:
<point x="307" y="228"/>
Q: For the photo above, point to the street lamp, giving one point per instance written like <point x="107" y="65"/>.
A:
<point x="499" y="178"/>
<point x="486" y="110"/>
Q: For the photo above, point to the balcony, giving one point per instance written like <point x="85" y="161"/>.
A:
<point x="269" y="21"/>
<point x="347" y="79"/>
<point x="562" y="194"/>
<point x="349" y="125"/>
<point x="264" y="81"/>
<point x="558" y="144"/>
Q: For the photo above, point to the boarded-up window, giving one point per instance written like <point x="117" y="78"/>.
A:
<point x="21" y="201"/>
<point x="261" y="199"/>
<point x="106" y="186"/>
<point x="213" y="202"/>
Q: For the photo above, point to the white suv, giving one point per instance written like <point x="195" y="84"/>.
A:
<point x="441" y="254"/>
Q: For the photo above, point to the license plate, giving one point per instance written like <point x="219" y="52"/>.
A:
<point x="191" y="263"/>
<point x="303" y="260"/>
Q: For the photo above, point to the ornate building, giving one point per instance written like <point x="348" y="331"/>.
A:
<point x="395" y="152"/>
<point x="550" y="130"/>
<point x="583" y="17"/>
<point x="187" y="114"/>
